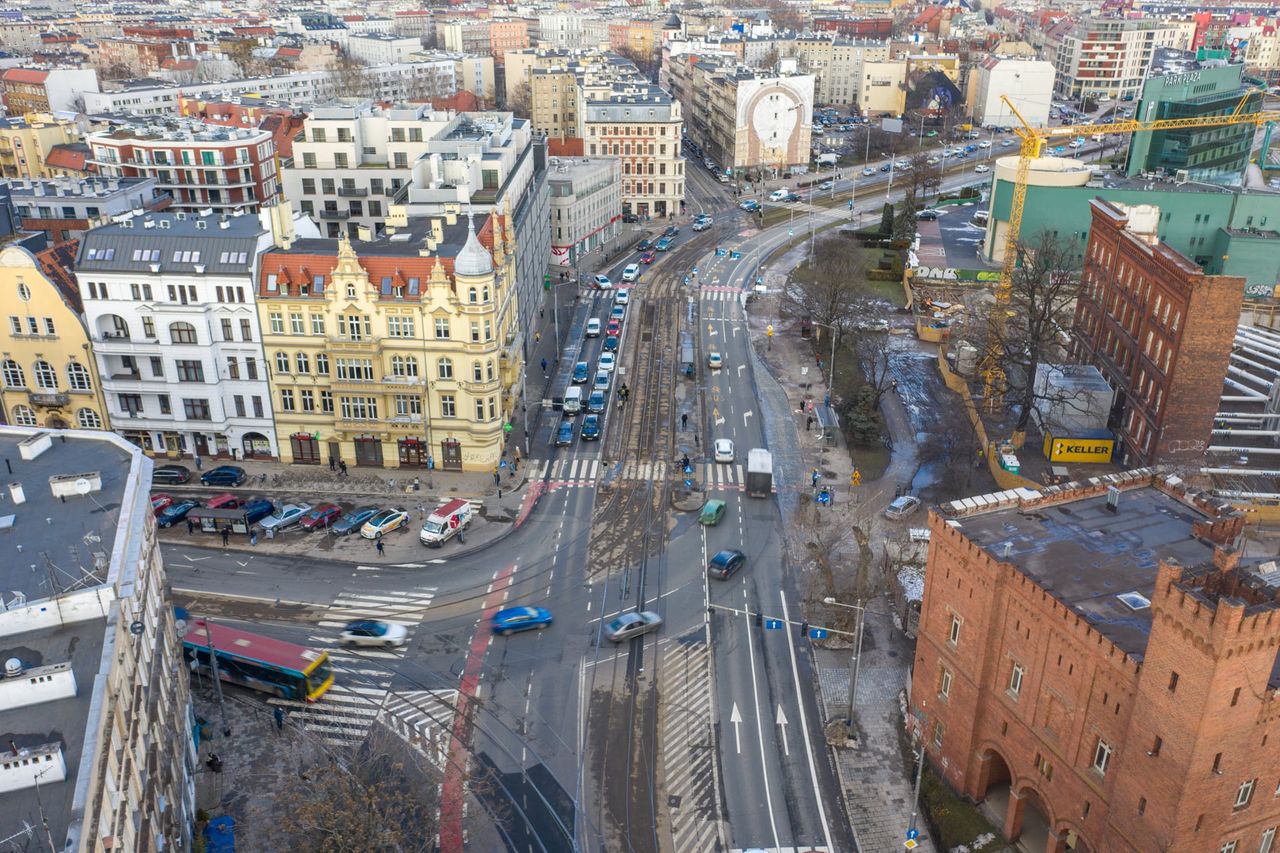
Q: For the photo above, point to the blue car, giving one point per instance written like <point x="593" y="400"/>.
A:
<point x="664" y="244"/>
<point x="174" y="513"/>
<point x="257" y="509"/>
<point x="591" y="428"/>
<point x="353" y="521"/>
<point x="611" y="343"/>
<point x="581" y="372"/>
<point x="595" y="403"/>
<point x="224" y="475"/>
<point x="515" y="619"/>
<point x="564" y="435"/>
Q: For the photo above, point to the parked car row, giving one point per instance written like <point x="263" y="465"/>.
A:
<point x="177" y="475"/>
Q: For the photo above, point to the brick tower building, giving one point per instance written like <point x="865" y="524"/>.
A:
<point x="1096" y="662"/>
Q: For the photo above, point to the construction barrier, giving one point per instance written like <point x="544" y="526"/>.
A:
<point x="1004" y="479"/>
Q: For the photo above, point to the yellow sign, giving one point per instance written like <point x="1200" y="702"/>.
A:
<point x="1078" y="449"/>
<point x="769" y="330"/>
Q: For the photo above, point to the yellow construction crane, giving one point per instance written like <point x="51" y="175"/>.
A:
<point x="1033" y="142"/>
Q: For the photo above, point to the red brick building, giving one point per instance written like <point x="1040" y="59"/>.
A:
<point x="1161" y="332"/>
<point x="282" y="121"/>
<point x="1105" y="675"/>
<point x="200" y="166"/>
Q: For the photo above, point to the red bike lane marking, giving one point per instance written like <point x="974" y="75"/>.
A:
<point x="452" y="796"/>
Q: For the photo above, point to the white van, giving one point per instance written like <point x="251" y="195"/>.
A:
<point x="777" y="195"/>
<point x="573" y="400"/>
<point x="444" y="521"/>
<point x="593" y="327"/>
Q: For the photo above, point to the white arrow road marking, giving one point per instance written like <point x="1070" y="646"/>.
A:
<point x="191" y="559"/>
<point x="745" y="415"/>
<point x="719" y="421"/>
<point x="735" y="717"/>
<point x="741" y="367"/>
<point x="245" y="563"/>
<point x="782" y="721"/>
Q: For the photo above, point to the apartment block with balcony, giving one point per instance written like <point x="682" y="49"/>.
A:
<point x="352" y="159"/>
<point x="398" y="352"/>
<point x="25" y="143"/>
<point x="1109" y="57"/>
<point x="65" y="208"/>
<point x="169" y="302"/>
<point x="48" y="376"/>
<point x="200" y="166"/>
<point x="99" y="751"/>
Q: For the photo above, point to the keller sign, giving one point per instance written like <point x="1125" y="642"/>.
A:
<point x="1078" y="449"/>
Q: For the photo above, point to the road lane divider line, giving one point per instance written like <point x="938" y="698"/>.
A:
<point x="804" y="723"/>
<point x="755" y="697"/>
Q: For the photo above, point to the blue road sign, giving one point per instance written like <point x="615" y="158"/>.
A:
<point x="772" y="624"/>
<point x="817" y="633"/>
<point x="686" y="279"/>
<point x="913" y="834"/>
<point x="688" y="484"/>
<point x="502" y="464"/>
<point x="720" y="253"/>
<point x="735" y="256"/>
<point x="688" y="469"/>
<point x="695" y="270"/>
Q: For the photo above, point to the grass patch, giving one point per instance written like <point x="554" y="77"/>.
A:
<point x="871" y="460"/>
<point x="952" y="820"/>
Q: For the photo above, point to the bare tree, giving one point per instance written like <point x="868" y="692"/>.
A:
<point x="830" y="289"/>
<point x="1037" y="320"/>
<point x="362" y="799"/>
<point x="348" y="79"/>
<point x="923" y="176"/>
<point x="520" y="99"/>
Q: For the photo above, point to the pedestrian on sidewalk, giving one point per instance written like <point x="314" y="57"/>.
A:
<point x="191" y="527"/>
<point x="382" y="549"/>
<point x="226" y="536"/>
<point x="199" y="463"/>
<point x="333" y="463"/>
<point x="815" y="478"/>
<point x="544" y="368"/>
<point x="537" y="337"/>
<point x="497" y="480"/>
<point x="278" y="716"/>
<point x="517" y="455"/>
<point x="342" y="467"/>
<point x="253" y="537"/>
<point x="684" y="421"/>
<point x="808" y="423"/>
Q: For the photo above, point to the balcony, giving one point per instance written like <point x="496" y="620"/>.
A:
<point x="335" y="214"/>
<point x="362" y="385"/>
<point x="132" y="375"/>
<point x="340" y="344"/>
<point x="49" y="399"/>
<point x="353" y="192"/>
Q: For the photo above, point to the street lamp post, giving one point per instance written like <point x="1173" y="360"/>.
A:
<point x="855" y="665"/>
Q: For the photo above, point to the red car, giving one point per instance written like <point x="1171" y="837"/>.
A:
<point x="159" y="501"/>
<point x="647" y="257"/>
<point x="613" y="329"/>
<point x="320" y="517"/>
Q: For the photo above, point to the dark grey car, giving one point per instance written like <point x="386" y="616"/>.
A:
<point x="170" y="475"/>
<point x="353" y="521"/>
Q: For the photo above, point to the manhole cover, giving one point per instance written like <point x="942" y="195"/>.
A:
<point x="673" y="801"/>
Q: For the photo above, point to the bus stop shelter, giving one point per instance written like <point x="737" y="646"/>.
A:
<point x="214" y="520"/>
<point x="828" y="423"/>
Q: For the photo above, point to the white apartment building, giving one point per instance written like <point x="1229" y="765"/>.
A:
<point x="586" y="206"/>
<point x="1027" y="82"/>
<point x="99" y="752"/>
<point x="378" y="48"/>
<point x="353" y="158"/>
<point x="1110" y="56"/>
<point x="396" y="82"/>
<point x="169" y="302"/>
<point x="562" y="29"/>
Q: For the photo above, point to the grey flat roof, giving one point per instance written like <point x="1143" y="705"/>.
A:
<point x="61" y="721"/>
<point x="59" y="540"/>
<point x="1084" y="555"/>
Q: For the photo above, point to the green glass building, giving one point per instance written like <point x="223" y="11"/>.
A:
<point x="1213" y="155"/>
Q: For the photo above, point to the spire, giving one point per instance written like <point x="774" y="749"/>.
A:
<point x="474" y="258"/>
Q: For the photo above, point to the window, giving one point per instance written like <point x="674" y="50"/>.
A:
<point x="442" y="328"/>
<point x="1245" y="793"/>
<point x="944" y="684"/>
<point x="88" y="419"/>
<point x="477" y="372"/>
<point x="196" y="410"/>
<point x="308" y="186"/>
<point x="354" y="326"/>
<point x="250" y="368"/>
<point x="317" y="324"/>
<point x="237" y="400"/>
<point x="1155" y="747"/>
<point x="24" y="416"/>
<point x="308" y="400"/>
<point x="286" y="400"/>
<point x="355" y="369"/>
<point x="165" y="408"/>
<point x="475" y="332"/>
<point x="48" y="326"/>
<point x="444" y="368"/>
<point x="246" y="329"/>
<point x="448" y="406"/>
<point x="1229" y="847"/>
<point x="1142" y="805"/>
<point x="46" y="376"/>
<point x="183" y="333"/>
<point x="303" y="362"/>
<point x="322" y="364"/>
<point x="479" y="409"/>
<point x="1268" y="840"/>
<point x="1101" y="756"/>
<point x="295" y="324"/>
<point x="308" y="160"/>
<point x="282" y="362"/>
<point x="400" y="327"/>
<point x="78" y="377"/>
<point x="954" y="636"/>
<point x="257" y="406"/>
<point x="359" y="408"/>
<point x="404" y="367"/>
<point x="326" y="402"/>
<point x="1015" y="680"/>
<point x="157" y="367"/>
<point x="938" y="731"/>
<point x="277" y="323"/>
<point x="130" y="404"/>
<point x="408" y="404"/>
<point x="227" y="329"/>
<point x="190" y="370"/>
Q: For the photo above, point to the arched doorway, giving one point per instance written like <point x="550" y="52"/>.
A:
<point x="255" y="445"/>
<point x="1027" y="820"/>
<point x="993" y="786"/>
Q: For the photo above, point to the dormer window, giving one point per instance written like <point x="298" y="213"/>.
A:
<point x="272" y="285"/>
<point x="317" y="284"/>
<point x="351" y="291"/>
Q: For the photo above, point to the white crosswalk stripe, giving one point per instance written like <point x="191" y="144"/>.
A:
<point x="404" y="607"/>
<point x="719" y="295"/>
<point x="688" y="747"/>
<point x="424" y="719"/>
<point x="572" y="472"/>
<point x="634" y="470"/>
<point x="343" y="715"/>
<point x="725" y="477"/>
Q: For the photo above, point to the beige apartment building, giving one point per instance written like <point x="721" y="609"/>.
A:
<point x="25" y="142"/>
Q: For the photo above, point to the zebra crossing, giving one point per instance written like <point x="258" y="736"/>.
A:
<point x="567" y="472"/>
<point x="361" y="684"/>
<point x="424" y="720"/>
<point x="724" y="477"/>
<point x="720" y="294"/>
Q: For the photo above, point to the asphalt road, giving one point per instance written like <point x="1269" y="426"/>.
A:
<point x="703" y="734"/>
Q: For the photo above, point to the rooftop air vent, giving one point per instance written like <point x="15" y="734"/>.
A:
<point x="1134" y="600"/>
<point x="1113" y="499"/>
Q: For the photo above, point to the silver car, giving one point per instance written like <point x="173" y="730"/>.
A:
<point x="630" y="625"/>
<point x="286" y="516"/>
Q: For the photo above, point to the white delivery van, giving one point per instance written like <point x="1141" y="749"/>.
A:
<point x="444" y="521"/>
<point x="573" y="400"/>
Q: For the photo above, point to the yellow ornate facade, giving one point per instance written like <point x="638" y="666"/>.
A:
<point x="399" y="352"/>
<point x="48" y="375"/>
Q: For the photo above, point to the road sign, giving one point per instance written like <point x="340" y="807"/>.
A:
<point x="911" y="844"/>
<point x="735" y="255"/>
<point x="695" y="270"/>
<point x="720" y="253"/>
<point x="688" y="469"/>
<point x="817" y="633"/>
<point x="913" y="834"/>
<point x="502" y="464"/>
<point x="772" y="624"/>
<point x="686" y="279"/>
<point x="688" y="484"/>
<point x="507" y="427"/>
<point x="769" y="330"/>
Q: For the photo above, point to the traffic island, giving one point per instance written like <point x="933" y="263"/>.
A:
<point x="688" y="500"/>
